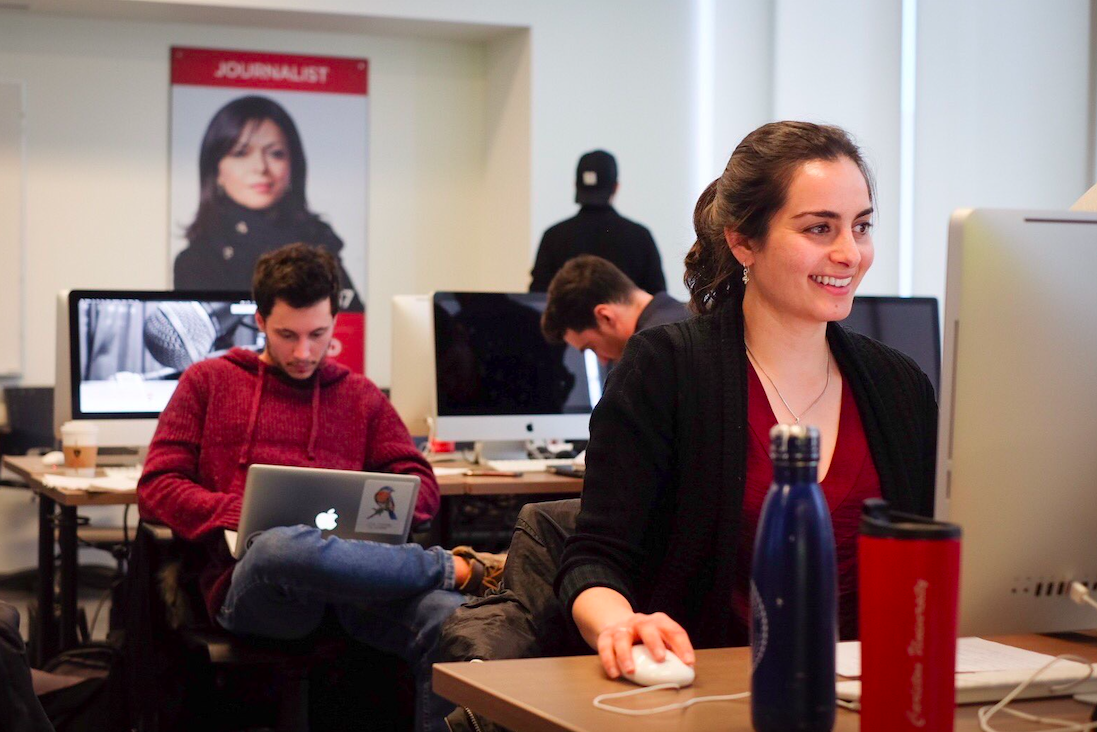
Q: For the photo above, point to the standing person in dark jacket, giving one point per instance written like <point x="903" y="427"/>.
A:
<point x="678" y="464"/>
<point x="252" y="173"/>
<point x="598" y="229"/>
<point x="592" y="304"/>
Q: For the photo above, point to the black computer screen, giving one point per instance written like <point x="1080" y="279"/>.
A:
<point x="907" y="324"/>
<point x="491" y="358"/>
<point x="128" y="348"/>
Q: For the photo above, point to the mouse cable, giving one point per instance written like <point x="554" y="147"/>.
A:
<point x="1080" y="595"/>
<point x="599" y="701"/>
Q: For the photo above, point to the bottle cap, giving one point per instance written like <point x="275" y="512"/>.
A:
<point x="794" y="443"/>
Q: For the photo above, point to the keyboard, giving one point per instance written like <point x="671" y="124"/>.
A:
<point x="528" y="466"/>
<point x="124" y="471"/>
<point x="992" y="686"/>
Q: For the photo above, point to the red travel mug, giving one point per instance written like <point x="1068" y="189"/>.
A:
<point x="909" y="605"/>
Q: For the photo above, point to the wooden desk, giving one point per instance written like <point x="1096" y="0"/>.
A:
<point x="530" y="486"/>
<point x="57" y="507"/>
<point x="555" y="694"/>
<point x="527" y="484"/>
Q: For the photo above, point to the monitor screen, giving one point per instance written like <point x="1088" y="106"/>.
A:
<point x="128" y="349"/>
<point x="491" y="359"/>
<point x="907" y="324"/>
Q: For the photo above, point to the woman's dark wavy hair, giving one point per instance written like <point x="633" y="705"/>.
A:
<point x="752" y="188"/>
<point x="221" y="136"/>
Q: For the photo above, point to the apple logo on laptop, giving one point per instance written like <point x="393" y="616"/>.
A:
<point x="327" y="520"/>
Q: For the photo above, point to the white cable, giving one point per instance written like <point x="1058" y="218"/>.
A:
<point x="599" y="701"/>
<point x="1061" y="725"/>
<point x="1080" y="595"/>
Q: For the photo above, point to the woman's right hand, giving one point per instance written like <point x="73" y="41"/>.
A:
<point x="656" y="631"/>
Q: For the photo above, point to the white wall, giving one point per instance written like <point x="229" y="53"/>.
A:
<point x="97" y="159"/>
<point x="838" y="63"/>
<point x="11" y="227"/>
<point x="474" y="140"/>
<point x="1002" y="117"/>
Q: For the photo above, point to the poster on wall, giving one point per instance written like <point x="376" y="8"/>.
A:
<point x="270" y="149"/>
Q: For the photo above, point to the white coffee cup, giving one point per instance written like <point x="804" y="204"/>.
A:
<point x="80" y="443"/>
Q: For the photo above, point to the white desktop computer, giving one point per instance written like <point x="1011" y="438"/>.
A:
<point x="120" y="353"/>
<point x="498" y="379"/>
<point x="412" y="385"/>
<point x="1017" y="449"/>
<point x="474" y="367"/>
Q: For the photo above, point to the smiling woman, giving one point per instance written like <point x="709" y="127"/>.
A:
<point x="252" y="173"/>
<point x="678" y="464"/>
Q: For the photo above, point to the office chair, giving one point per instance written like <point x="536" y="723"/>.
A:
<point x="187" y="672"/>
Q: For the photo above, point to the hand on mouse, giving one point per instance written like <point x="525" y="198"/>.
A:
<point x="656" y="631"/>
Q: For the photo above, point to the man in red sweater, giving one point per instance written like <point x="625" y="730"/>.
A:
<point x="291" y="406"/>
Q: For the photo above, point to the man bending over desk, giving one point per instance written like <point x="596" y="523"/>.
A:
<point x="291" y="406"/>
<point x="592" y="304"/>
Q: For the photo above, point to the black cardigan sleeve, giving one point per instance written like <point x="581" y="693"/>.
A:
<point x="629" y="468"/>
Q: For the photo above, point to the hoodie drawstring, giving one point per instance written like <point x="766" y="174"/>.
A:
<point x="253" y="417"/>
<point x="315" y="418"/>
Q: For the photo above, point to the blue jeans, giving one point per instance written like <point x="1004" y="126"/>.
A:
<point x="391" y="597"/>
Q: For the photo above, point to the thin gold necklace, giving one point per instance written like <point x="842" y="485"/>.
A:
<point x="780" y="396"/>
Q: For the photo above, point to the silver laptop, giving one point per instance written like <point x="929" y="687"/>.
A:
<point x="344" y="503"/>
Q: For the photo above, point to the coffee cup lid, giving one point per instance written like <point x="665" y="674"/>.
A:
<point x="79" y="427"/>
<point x="878" y="520"/>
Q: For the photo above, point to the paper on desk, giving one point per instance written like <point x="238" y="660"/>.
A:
<point x="448" y="471"/>
<point x="972" y="654"/>
<point x="92" y="485"/>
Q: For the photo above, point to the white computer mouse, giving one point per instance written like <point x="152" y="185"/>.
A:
<point x="53" y="458"/>
<point x="650" y="672"/>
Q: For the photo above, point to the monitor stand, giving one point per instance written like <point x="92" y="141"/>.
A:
<point x="484" y="452"/>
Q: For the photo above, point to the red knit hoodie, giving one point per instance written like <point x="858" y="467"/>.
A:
<point x="230" y="412"/>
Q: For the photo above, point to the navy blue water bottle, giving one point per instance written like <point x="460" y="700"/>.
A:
<point x="794" y="593"/>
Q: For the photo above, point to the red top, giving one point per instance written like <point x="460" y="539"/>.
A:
<point x="850" y="479"/>
<point x="231" y="412"/>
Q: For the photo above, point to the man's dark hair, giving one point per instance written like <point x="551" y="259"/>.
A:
<point x="300" y="274"/>
<point x="582" y="284"/>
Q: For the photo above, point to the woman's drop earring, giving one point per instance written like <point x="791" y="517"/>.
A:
<point x="746" y="274"/>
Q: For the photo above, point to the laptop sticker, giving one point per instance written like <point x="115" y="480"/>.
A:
<point x="384" y="508"/>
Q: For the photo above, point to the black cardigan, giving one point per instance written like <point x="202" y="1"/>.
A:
<point x="666" y="465"/>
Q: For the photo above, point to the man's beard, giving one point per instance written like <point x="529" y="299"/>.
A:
<point x="290" y="368"/>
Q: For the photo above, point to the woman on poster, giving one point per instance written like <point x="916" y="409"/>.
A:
<point x="252" y="171"/>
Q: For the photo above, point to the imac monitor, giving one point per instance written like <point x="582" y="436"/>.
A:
<point x="121" y="353"/>
<point x="496" y="378"/>
<point x="1016" y="457"/>
<point x="412" y="361"/>
<point x="907" y="324"/>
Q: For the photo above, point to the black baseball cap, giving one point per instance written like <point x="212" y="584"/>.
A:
<point x="595" y="178"/>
